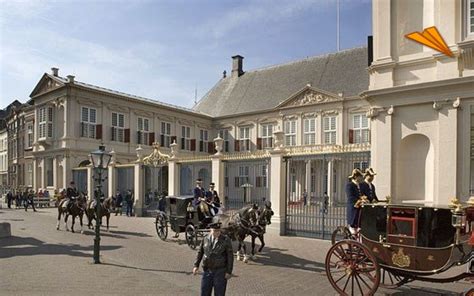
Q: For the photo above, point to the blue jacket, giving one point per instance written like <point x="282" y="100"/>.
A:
<point x="198" y="192"/>
<point x="353" y="194"/>
<point x="369" y="192"/>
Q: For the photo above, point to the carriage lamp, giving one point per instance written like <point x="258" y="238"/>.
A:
<point x="458" y="218"/>
<point x="100" y="161"/>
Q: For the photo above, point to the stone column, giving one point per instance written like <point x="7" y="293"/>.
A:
<point x="308" y="178"/>
<point x="277" y="191"/>
<point x="330" y="180"/>
<point x="42" y="179"/>
<point x="55" y="172"/>
<point x="35" y="180"/>
<point x="112" y="175"/>
<point x="218" y="176"/>
<point x="138" y="188"/>
<point x="173" y="178"/>
<point x="90" y="182"/>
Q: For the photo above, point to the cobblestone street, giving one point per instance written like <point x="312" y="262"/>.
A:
<point x="39" y="260"/>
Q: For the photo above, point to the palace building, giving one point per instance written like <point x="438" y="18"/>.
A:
<point x="289" y="133"/>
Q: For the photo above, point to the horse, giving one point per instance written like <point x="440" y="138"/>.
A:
<point x="76" y="209"/>
<point x="105" y="208"/>
<point x="239" y="226"/>
<point x="264" y="218"/>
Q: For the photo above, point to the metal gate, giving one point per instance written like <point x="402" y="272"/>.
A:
<point x="155" y="184"/>
<point x="315" y="192"/>
<point x="189" y="172"/>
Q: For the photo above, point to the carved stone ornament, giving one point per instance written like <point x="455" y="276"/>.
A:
<point x="218" y="142"/>
<point x="174" y="149"/>
<point x="278" y="135"/>
<point x="372" y="113"/>
<point x="156" y="158"/>
<point x="312" y="98"/>
<point x="390" y="110"/>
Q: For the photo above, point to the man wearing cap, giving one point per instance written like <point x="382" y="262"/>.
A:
<point x="71" y="194"/>
<point x="367" y="188"/>
<point x="199" y="198"/>
<point x="217" y="258"/>
<point x="354" y="199"/>
<point x="212" y="198"/>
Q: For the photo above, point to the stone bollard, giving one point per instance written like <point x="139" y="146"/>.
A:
<point x="5" y="230"/>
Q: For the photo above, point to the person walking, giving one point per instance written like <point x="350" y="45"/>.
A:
<point x="217" y="258"/>
<point x="118" y="203"/>
<point x="129" y="201"/>
<point x="305" y="197"/>
<point x="9" y="199"/>
<point x="29" y="200"/>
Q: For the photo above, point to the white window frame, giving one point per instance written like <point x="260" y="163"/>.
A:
<point x="143" y="130"/>
<point x="166" y="133"/>
<point x="361" y="165"/>
<point x="309" y="131"/>
<point x="45" y="122"/>
<point x="330" y="129"/>
<point x="186" y="134"/>
<point x="244" y="138"/>
<point x="361" y="128"/>
<point x="224" y="134"/>
<point x="469" y="18"/>
<point x="290" y="132"/>
<point x="262" y="172"/>
<point x="88" y="122"/>
<point x="29" y="135"/>
<point x="244" y="175"/>
<point x="119" y="126"/>
<point x="267" y="136"/>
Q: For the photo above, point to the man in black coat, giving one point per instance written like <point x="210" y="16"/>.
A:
<point x="9" y="199"/>
<point x="354" y="199"/>
<point x="118" y="203"/>
<point x="367" y="188"/>
<point x="217" y="258"/>
<point x="71" y="194"/>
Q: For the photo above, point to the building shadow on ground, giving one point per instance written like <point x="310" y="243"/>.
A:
<point x="27" y="246"/>
<point x="148" y="269"/>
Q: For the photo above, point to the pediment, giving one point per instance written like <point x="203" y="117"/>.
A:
<point x="310" y="96"/>
<point x="45" y="84"/>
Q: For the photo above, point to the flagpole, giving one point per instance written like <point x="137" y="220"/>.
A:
<point x="337" y="25"/>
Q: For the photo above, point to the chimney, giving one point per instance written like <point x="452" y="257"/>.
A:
<point x="54" y="71"/>
<point x="71" y="79"/>
<point x="224" y="74"/>
<point x="370" y="50"/>
<point x="237" y="66"/>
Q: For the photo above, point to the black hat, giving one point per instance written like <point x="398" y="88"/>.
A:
<point x="72" y="183"/>
<point x="216" y="225"/>
<point x="198" y="180"/>
<point x="212" y="184"/>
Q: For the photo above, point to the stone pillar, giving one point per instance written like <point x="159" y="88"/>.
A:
<point x="42" y="170"/>
<point x="112" y="180"/>
<point x="277" y="191"/>
<point x="173" y="178"/>
<point x="330" y="184"/>
<point x="138" y="189"/>
<point x="35" y="180"/>
<point x="381" y="156"/>
<point x="308" y="178"/>
<point x="90" y="182"/>
<point x="55" y="169"/>
<point x="218" y="176"/>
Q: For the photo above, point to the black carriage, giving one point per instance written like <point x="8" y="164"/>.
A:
<point x="179" y="214"/>
<point x="400" y="243"/>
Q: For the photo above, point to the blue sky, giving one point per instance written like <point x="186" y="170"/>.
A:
<point x="163" y="50"/>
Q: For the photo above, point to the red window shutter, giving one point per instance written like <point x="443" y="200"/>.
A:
<point x="193" y="145"/>
<point x="210" y="147"/>
<point x="127" y="135"/>
<point x="182" y="143"/>
<point x="237" y="145"/>
<point x="351" y="136"/>
<point x="201" y="146"/>
<point x="82" y="129"/>
<point x="139" y="138"/>
<point x="162" y="140"/>
<point x="113" y="134"/>
<point x="98" y="131"/>
<point x="259" y="143"/>
<point x="151" y="138"/>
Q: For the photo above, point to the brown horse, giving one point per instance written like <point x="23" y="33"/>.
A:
<point x="75" y="209"/>
<point x="105" y="208"/>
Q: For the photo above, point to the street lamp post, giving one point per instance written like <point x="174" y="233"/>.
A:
<point x="100" y="161"/>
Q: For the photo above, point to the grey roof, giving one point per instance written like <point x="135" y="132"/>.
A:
<point x="263" y="89"/>
<point x="134" y="97"/>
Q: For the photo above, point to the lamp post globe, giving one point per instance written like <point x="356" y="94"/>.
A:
<point x="100" y="161"/>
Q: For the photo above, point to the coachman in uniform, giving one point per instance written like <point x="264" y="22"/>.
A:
<point x="367" y="188"/>
<point x="354" y="199"/>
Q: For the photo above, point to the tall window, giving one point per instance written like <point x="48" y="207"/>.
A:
<point x="88" y="122"/>
<point x="118" y="127"/>
<point x="185" y="138"/>
<point x="224" y="134"/>
<point x="261" y="179"/>
<point x="49" y="172"/>
<point x="290" y="133"/>
<point x="29" y="135"/>
<point x="243" y="177"/>
<point x="143" y="129"/>
<point x="360" y="124"/>
<point x="470" y="16"/>
<point x="309" y="131"/>
<point x="165" y="134"/>
<point x="45" y="126"/>
<point x="29" y="175"/>
<point x="329" y="123"/>
<point x="267" y="136"/>
<point x="244" y="138"/>
<point x="203" y="141"/>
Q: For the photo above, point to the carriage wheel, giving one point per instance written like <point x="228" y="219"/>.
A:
<point x="391" y="280"/>
<point x="341" y="233"/>
<point x="161" y="226"/>
<point x="191" y="236"/>
<point x="352" y="269"/>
